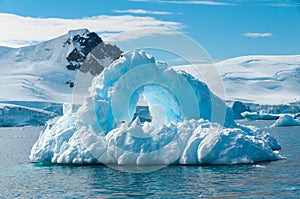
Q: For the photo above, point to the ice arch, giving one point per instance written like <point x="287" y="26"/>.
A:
<point x="162" y="103"/>
<point x="100" y="131"/>
<point x="160" y="87"/>
<point x="118" y="87"/>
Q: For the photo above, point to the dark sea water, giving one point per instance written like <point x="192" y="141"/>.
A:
<point x="21" y="179"/>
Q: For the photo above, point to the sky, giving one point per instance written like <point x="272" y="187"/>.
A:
<point x="225" y="29"/>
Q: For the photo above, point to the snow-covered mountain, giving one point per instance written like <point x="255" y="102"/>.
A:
<point x="60" y="70"/>
<point x="271" y="80"/>
<point x="47" y="71"/>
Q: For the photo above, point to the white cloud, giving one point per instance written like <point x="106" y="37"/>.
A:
<point x="257" y="34"/>
<point x="196" y="2"/>
<point x="140" y="11"/>
<point x="137" y="33"/>
<point x="16" y="31"/>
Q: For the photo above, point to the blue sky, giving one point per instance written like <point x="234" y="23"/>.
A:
<point x="225" y="29"/>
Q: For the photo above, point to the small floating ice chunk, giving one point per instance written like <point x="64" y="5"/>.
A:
<point x="259" y="166"/>
<point x="286" y="120"/>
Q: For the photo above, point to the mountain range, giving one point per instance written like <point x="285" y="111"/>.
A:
<point x="60" y="70"/>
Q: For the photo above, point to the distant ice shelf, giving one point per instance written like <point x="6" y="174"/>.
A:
<point x="262" y="111"/>
<point x="12" y="115"/>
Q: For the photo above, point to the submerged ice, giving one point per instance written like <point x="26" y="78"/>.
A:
<point x="186" y="123"/>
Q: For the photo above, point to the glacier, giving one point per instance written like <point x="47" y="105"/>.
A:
<point x="189" y="125"/>
<point x="264" y="80"/>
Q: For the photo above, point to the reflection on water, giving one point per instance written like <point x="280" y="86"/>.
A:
<point x="19" y="178"/>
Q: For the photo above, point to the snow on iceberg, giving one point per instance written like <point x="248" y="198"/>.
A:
<point x="188" y="125"/>
<point x="286" y="120"/>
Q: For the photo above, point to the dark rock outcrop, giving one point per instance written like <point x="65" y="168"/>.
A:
<point x="90" y="54"/>
<point x="238" y="108"/>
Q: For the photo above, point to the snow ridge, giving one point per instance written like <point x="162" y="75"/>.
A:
<point x="47" y="71"/>
<point x="264" y="80"/>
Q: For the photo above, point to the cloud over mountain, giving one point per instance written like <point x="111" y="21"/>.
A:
<point x="16" y="31"/>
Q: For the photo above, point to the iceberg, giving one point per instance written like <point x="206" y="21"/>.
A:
<point x="286" y="120"/>
<point x="260" y="116"/>
<point x="238" y="108"/>
<point x="187" y="125"/>
<point x="13" y="115"/>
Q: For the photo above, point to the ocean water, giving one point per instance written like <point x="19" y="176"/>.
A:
<point x="21" y="179"/>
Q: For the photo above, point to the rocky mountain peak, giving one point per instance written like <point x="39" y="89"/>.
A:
<point x="90" y="53"/>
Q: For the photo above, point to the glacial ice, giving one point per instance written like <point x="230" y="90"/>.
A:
<point x="190" y="125"/>
<point x="12" y="115"/>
